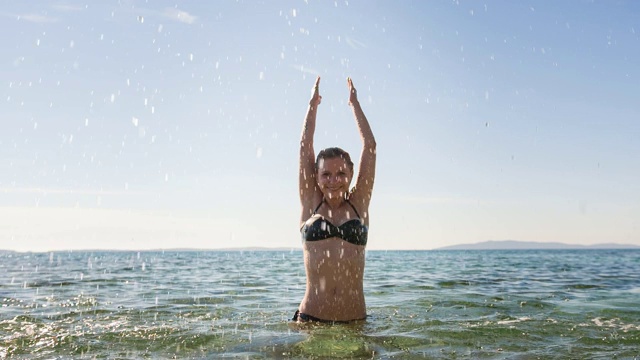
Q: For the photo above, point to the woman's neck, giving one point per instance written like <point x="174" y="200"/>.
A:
<point x="334" y="203"/>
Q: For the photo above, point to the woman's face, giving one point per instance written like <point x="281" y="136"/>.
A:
<point x="333" y="177"/>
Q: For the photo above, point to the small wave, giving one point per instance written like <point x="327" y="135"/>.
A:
<point x="513" y="321"/>
<point x="615" y="323"/>
<point x="198" y="301"/>
<point x="584" y="286"/>
<point x="453" y="283"/>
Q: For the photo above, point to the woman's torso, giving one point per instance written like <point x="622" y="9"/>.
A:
<point x="334" y="257"/>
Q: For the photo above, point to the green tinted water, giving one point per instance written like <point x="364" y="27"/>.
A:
<point x="424" y="304"/>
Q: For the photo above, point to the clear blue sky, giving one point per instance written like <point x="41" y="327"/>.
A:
<point x="137" y="125"/>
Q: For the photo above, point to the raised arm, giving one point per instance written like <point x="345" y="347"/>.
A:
<point x="307" y="183"/>
<point x="361" y="194"/>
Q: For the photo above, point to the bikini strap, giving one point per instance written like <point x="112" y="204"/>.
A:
<point x="349" y="202"/>
<point x="354" y="209"/>
<point x="318" y="207"/>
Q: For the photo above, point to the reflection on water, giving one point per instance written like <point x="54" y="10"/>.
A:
<point x="500" y="304"/>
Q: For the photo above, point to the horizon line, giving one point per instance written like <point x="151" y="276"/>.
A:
<point x="611" y="246"/>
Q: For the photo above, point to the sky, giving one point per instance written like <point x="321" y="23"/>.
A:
<point x="157" y="125"/>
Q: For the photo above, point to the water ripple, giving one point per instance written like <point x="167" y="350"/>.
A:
<point x="456" y="304"/>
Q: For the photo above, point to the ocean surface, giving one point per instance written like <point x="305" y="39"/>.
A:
<point x="553" y="304"/>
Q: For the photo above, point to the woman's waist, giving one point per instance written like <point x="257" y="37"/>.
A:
<point x="335" y="276"/>
<point x="340" y="289"/>
<point x="334" y="308"/>
<point x="332" y="294"/>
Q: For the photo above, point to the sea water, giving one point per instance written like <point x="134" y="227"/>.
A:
<point x="555" y="304"/>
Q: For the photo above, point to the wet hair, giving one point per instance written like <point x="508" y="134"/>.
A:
<point x="332" y="153"/>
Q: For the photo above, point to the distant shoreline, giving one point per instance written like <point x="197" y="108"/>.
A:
<point x="533" y="245"/>
<point x="485" y="245"/>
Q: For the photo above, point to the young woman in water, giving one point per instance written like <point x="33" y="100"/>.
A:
<point x="335" y="220"/>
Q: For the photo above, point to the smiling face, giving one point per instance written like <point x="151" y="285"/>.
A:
<point x="334" y="177"/>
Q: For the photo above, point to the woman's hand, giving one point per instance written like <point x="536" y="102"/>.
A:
<point x="353" y="94"/>
<point x="315" y="94"/>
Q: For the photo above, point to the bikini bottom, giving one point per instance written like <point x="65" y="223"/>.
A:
<point x="302" y="317"/>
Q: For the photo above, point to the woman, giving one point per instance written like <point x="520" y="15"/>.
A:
<point x="334" y="221"/>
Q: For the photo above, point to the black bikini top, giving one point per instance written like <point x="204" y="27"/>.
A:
<point x="318" y="228"/>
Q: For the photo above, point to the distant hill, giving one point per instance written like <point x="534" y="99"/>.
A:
<point x="532" y="245"/>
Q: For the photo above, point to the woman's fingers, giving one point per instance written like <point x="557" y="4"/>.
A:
<point x="353" y="96"/>
<point x="316" y="86"/>
<point x="315" y="95"/>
